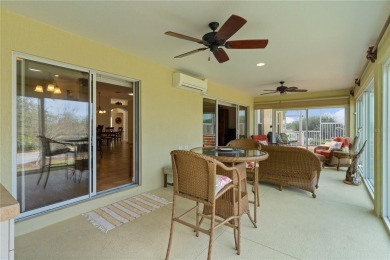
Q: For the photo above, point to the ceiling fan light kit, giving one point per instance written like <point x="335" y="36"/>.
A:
<point x="216" y="39"/>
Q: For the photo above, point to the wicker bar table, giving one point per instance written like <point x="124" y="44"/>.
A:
<point x="232" y="156"/>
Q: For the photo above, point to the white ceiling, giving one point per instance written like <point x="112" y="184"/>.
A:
<point x="314" y="45"/>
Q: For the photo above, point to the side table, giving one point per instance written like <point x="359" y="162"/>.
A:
<point x="341" y="155"/>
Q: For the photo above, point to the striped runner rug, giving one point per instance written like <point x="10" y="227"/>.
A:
<point x="116" y="214"/>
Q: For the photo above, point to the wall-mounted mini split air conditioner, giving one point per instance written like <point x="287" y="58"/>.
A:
<point x="184" y="81"/>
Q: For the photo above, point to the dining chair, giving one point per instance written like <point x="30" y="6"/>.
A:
<point x="51" y="150"/>
<point x="244" y="143"/>
<point x="109" y="134"/>
<point x="208" y="182"/>
<point x="81" y="160"/>
<point x="118" y="134"/>
<point x="99" y="139"/>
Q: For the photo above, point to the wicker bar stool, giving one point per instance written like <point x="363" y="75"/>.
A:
<point x="195" y="177"/>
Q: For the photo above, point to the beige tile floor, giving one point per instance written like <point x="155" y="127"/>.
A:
<point x="338" y="224"/>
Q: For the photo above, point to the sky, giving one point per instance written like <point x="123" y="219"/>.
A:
<point x="338" y="113"/>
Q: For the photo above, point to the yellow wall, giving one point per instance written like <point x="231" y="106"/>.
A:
<point x="170" y="117"/>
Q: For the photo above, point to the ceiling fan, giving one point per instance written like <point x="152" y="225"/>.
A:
<point x="283" y="89"/>
<point x="214" y="40"/>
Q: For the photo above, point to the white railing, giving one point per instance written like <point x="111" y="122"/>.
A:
<point x="326" y="133"/>
<point x="208" y="129"/>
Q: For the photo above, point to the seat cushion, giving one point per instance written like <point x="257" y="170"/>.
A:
<point x="261" y="139"/>
<point x="325" y="153"/>
<point x="220" y="182"/>
<point x="344" y="140"/>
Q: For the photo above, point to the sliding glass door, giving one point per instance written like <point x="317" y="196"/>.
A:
<point x="365" y="122"/>
<point x="223" y="122"/>
<point x="53" y="134"/>
<point x="60" y="155"/>
<point x="209" y="122"/>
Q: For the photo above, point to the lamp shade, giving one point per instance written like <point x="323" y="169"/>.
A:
<point x="50" y="87"/>
<point x="38" y="88"/>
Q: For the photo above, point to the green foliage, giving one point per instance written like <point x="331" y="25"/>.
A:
<point x="57" y="124"/>
<point x="313" y="123"/>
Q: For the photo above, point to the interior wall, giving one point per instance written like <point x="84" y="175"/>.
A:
<point x="176" y="122"/>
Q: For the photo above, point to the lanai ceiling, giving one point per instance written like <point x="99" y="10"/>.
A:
<point x="314" y="45"/>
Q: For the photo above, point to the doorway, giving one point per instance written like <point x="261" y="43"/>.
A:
<point x="60" y="156"/>
<point x="226" y="124"/>
<point x="114" y="164"/>
<point x="220" y="121"/>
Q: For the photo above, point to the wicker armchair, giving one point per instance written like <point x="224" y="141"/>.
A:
<point x="194" y="178"/>
<point x="290" y="166"/>
<point x="250" y="167"/>
<point x="327" y="151"/>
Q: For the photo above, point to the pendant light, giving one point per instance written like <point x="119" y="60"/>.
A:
<point x="100" y="110"/>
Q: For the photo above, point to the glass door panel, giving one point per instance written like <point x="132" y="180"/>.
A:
<point x="53" y="130"/>
<point x="294" y="130"/>
<point x="242" y="121"/>
<point x="114" y="133"/>
<point x="209" y="122"/>
<point x="227" y="123"/>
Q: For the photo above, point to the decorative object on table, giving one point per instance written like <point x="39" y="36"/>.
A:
<point x="214" y="40"/>
<point x="352" y="175"/>
<point x="109" y="217"/>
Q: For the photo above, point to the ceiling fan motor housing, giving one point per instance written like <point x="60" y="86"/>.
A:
<point x="212" y="42"/>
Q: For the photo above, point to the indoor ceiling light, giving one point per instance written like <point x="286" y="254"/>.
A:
<point x="100" y="110"/>
<point x="34" y="69"/>
<point x="38" y="88"/>
<point x="260" y="64"/>
<point x="57" y="90"/>
<point x="50" y="87"/>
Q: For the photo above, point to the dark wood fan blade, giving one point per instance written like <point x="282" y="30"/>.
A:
<point x="298" y="90"/>
<point x="185" y="37"/>
<point x="291" y="88"/>
<point x="246" y="44"/>
<point x="230" y="27"/>
<point x="270" y="90"/>
<point x="269" y="93"/>
<point x="190" y="52"/>
<point x="221" y="55"/>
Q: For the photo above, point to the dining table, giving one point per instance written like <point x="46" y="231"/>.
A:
<point x="229" y="155"/>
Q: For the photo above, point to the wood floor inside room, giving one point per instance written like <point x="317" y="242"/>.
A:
<point x="114" y="168"/>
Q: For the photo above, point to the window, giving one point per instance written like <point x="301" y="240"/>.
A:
<point x="365" y="122"/>
<point x="302" y="127"/>
<point x="385" y="143"/>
